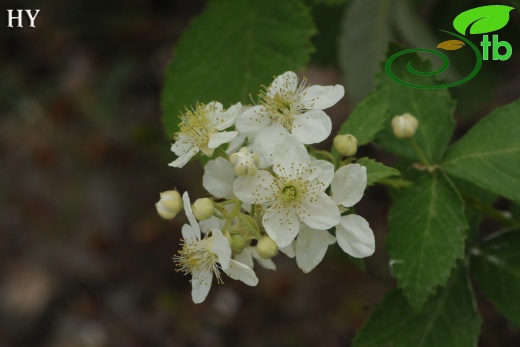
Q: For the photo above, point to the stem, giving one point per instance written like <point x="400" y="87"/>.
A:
<point x="492" y="212"/>
<point x="249" y="226"/>
<point x="419" y="152"/>
<point x="221" y="153"/>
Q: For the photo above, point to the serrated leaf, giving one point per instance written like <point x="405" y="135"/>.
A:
<point x="483" y="19"/>
<point x="426" y="236"/>
<point x="368" y="118"/>
<point x="376" y="171"/>
<point x="451" y="45"/>
<point x="365" y="32"/>
<point x="233" y="48"/>
<point x="496" y="266"/>
<point x="489" y="154"/>
<point x="448" y="319"/>
<point x="433" y="108"/>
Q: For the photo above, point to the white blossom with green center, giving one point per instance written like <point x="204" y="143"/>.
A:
<point x="293" y="194"/>
<point x="201" y="129"/>
<point x="203" y="258"/>
<point x="297" y="107"/>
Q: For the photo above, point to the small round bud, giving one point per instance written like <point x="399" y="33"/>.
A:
<point x="404" y="126"/>
<point x="203" y="208"/>
<point x="266" y="247"/>
<point x="346" y="144"/>
<point x="237" y="244"/>
<point x="245" y="162"/>
<point x="169" y="205"/>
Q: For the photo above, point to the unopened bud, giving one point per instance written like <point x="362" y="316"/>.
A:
<point x="404" y="126"/>
<point x="245" y="162"/>
<point x="266" y="247"/>
<point x="237" y="244"/>
<point x="203" y="208"/>
<point x="346" y="144"/>
<point x="169" y="205"/>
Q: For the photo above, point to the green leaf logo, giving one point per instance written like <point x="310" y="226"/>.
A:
<point x="482" y="20"/>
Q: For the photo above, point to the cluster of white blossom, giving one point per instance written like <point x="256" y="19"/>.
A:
<point x="269" y="189"/>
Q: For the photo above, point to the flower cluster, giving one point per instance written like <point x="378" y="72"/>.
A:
<point x="269" y="190"/>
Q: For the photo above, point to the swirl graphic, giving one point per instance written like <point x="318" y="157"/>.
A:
<point x="445" y="65"/>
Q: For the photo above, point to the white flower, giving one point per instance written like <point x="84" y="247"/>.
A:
<point x="353" y="232"/>
<point x="203" y="258"/>
<point x="294" y="194"/>
<point x="309" y="248"/>
<point x="298" y="107"/>
<point x="201" y="129"/>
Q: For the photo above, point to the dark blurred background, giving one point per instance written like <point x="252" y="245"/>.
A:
<point x="84" y="258"/>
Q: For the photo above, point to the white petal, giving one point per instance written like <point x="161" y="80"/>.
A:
<point x="217" y="139"/>
<point x="227" y="118"/>
<point x="201" y="284"/>
<point x="188" y="234"/>
<point x="182" y="145"/>
<point x="241" y="272"/>
<point x="311" y="246"/>
<point x="288" y="250"/>
<point x="245" y="257"/>
<point x="236" y="144"/>
<point x="286" y="82"/>
<point x="214" y="106"/>
<point x="320" y="97"/>
<point x="209" y="224"/>
<point x="184" y="158"/>
<point x="218" y="178"/>
<point x="254" y="189"/>
<point x="348" y="184"/>
<point x="252" y="120"/>
<point x="276" y="141"/>
<point x="265" y="263"/>
<point x="281" y="225"/>
<point x="355" y="236"/>
<point x="219" y="245"/>
<point x="321" y="213"/>
<point x="324" y="175"/>
<point x="312" y="127"/>
<point x="189" y="213"/>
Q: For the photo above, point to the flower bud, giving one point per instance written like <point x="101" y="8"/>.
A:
<point x="203" y="208"/>
<point x="237" y="244"/>
<point x="404" y="126"/>
<point x="346" y="144"/>
<point x="169" y="205"/>
<point x="245" y="162"/>
<point x="266" y="247"/>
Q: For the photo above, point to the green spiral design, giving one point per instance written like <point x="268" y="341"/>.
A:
<point x="445" y="65"/>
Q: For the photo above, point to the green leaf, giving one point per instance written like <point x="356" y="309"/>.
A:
<point x="496" y="267"/>
<point x="376" y="171"/>
<point x="483" y="19"/>
<point x="365" y="32"/>
<point x="233" y="48"/>
<point x="426" y="236"/>
<point x="450" y="319"/>
<point x="489" y="154"/>
<point x="432" y="108"/>
<point x="368" y="118"/>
